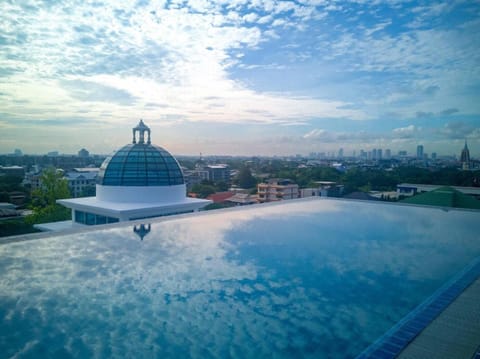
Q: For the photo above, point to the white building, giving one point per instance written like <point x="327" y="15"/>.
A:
<point x="323" y="189"/>
<point x="140" y="180"/>
<point x="80" y="179"/>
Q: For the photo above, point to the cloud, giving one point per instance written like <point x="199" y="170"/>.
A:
<point x="421" y="114"/>
<point x="449" y="111"/>
<point x="251" y="17"/>
<point x="405" y="132"/>
<point x="264" y="61"/>
<point x="378" y="27"/>
<point x="432" y="90"/>
<point x="279" y="22"/>
<point x="93" y="92"/>
<point x="446" y="112"/>
<point x="325" y="136"/>
<point x="458" y="130"/>
<point x="157" y="54"/>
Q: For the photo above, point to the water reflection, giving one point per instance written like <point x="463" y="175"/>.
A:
<point x="316" y="278"/>
<point x="142" y="230"/>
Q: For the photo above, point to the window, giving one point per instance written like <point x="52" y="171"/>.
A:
<point x="141" y="165"/>
<point x="90" y="219"/>
<point x="79" y="216"/>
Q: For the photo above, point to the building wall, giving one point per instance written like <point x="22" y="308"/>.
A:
<point x="277" y="191"/>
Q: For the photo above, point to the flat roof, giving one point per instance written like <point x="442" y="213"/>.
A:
<point x="119" y="207"/>
<point x="431" y="187"/>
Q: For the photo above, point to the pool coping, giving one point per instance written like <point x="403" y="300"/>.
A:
<point x="84" y="229"/>
<point x="395" y="340"/>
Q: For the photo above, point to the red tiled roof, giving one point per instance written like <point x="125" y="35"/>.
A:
<point x="220" y="197"/>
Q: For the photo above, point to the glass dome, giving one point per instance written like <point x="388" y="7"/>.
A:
<point x="140" y="164"/>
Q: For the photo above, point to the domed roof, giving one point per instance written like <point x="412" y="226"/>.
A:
<point x="140" y="164"/>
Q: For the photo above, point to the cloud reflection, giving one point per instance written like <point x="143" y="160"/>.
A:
<point x="305" y="278"/>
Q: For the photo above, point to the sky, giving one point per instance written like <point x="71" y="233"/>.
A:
<point x="238" y="77"/>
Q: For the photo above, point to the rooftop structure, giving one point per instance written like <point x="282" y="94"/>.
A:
<point x="140" y="180"/>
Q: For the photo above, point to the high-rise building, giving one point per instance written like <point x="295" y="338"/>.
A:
<point x="218" y="173"/>
<point x="465" y="157"/>
<point x="340" y="153"/>
<point x="420" y="151"/>
<point x="83" y="153"/>
<point x="388" y="154"/>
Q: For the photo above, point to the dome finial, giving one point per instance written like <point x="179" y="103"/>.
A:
<point x="141" y="128"/>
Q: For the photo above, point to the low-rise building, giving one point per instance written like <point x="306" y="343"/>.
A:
<point x="411" y="189"/>
<point x="193" y="177"/>
<point x="277" y="189"/>
<point x="18" y="171"/>
<point x="81" y="180"/>
<point x="243" y="199"/>
<point x="323" y="189"/>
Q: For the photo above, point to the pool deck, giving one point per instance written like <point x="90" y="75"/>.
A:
<point x="445" y="325"/>
<point x="455" y="333"/>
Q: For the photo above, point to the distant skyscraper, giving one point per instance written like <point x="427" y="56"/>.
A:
<point x="434" y="155"/>
<point x="83" y="153"/>
<point x="340" y="153"/>
<point x="388" y="154"/>
<point x="420" y="151"/>
<point x="379" y="154"/>
<point x="465" y="157"/>
<point x="374" y="154"/>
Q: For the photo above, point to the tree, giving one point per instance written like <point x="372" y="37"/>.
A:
<point x="44" y="205"/>
<point x="245" y="178"/>
<point x="203" y="190"/>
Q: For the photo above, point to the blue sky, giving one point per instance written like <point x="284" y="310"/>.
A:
<point x="240" y="77"/>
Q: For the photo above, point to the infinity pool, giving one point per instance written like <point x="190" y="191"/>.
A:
<point x="311" y="278"/>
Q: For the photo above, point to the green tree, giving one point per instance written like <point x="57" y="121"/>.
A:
<point x="245" y="178"/>
<point x="203" y="190"/>
<point x="44" y="205"/>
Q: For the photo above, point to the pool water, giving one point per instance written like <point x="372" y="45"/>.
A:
<point x="312" y="278"/>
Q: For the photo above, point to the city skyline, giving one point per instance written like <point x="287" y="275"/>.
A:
<point x="241" y="77"/>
